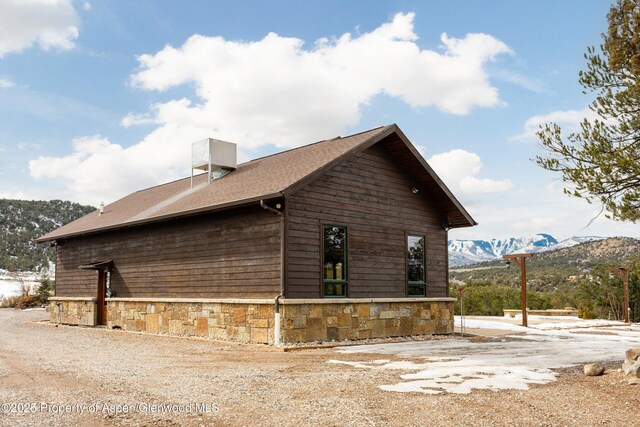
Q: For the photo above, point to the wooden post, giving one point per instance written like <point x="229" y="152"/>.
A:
<point x="523" y="282"/>
<point x="625" y="279"/>
<point x="521" y="261"/>
<point x="623" y="273"/>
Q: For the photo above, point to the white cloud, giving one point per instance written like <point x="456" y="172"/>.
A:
<point x="132" y="119"/>
<point x="47" y="23"/>
<point x="99" y="170"/>
<point x="86" y="6"/>
<point x="6" y="83"/>
<point x="536" y="223"/>
<point x="458" y="169"/>
<point x="569" y="120"/>
<point x="95" y="167"/>
<point x="471" y="185"/>
<point x="276" y="92"/>
<point x="540" y="207"/>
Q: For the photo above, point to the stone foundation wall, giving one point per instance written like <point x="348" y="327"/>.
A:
<point x="301" y="320"/>
<point x="313" y="320"/>
<point x="235" y="320"/>
<point x="248" y="320"/>
<point x="73" y="311"/>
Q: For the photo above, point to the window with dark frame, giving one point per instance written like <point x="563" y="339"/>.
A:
<point x="334" y="261"/>
<point x="416" y="266"/>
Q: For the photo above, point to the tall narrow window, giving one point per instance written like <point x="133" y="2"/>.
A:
<point x="416" y="269"/>
<point x="334" y="261"/>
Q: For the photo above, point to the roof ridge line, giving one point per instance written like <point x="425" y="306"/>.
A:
<point x="314" y="143"/>
<point x="269" y="155"/>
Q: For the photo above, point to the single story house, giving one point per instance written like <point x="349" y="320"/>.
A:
<point x="341" y="239"/>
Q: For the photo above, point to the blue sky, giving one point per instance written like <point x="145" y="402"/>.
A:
<point x="98" y="99"/>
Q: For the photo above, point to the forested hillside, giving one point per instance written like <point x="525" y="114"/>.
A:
<point x="22" y="221"/>
<point x="548" y="271"/>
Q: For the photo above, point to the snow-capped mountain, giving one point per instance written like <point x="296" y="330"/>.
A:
<point x="575" y="240"/>
<point x="464" y="252"/>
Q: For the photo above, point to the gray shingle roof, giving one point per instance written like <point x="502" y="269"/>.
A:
<point x="263" y="178"/>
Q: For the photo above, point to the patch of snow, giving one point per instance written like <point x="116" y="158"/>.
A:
<point x="490" y="324"/>
<point x="561" y="322"/>
<point x="579" y="323"/>
<point x="460" y="366"/>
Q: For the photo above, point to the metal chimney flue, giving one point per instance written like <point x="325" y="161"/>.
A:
<point x="213" y="156"/>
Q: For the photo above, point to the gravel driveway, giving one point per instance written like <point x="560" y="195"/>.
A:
<point x="49" y="375"/>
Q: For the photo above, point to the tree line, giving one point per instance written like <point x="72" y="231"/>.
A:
<point x="598" y="294"/>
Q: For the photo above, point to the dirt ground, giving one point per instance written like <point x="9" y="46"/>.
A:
<point x="46" y="370"/>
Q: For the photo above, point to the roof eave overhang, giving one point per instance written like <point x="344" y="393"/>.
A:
<point x="98" y="265"/>
<point x="162" y="218"/>
<point x="452" y="225"/>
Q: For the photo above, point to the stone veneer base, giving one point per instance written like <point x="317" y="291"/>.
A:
<point x="252" y="320"/>
<point x="73" y="311"/>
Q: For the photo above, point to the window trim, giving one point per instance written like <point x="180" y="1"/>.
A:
<point x="423" y="284"/>
<point x="324" y="282"/>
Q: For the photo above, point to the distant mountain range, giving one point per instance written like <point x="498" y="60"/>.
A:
<point x="466" y="252"/>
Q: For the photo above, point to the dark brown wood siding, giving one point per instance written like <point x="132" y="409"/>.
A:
<point x="230" y="254"/>
<point x="372" y="196"/>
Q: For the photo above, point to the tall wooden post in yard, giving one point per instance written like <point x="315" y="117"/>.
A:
<point x="623" y="273"/>
<point x="521" y="261"/>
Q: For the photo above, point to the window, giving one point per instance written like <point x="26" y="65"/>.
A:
<point x="334" y="261"/>
<point x="416" y="271"/>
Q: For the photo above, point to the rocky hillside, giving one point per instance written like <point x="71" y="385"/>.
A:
<point x="22" y="221"/>
<point x="616" y="249"/>
<point x="556" y="268"/>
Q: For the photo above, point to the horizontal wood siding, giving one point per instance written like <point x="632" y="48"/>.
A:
<point x="230" y="254"/>
<point x="372" y="196"/>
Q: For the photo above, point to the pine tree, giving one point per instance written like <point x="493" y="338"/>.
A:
<point x="601" y="162"/>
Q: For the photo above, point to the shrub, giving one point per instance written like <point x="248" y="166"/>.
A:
<point x="586" y="312"/>
<point x="26" y="302"/>
<point x="44" y="290"/>
<point x="11" y="301"/>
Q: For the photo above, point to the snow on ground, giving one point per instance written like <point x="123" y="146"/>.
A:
<point x="527" y="357"/>
<point x="509" y="323"/>
<point x="9" y="288"/>
<point x="10" y="282"/>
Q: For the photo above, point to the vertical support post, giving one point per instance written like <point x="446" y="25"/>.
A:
<point x="521" y="261"/>
<point x="625" y="279"/>
<point x="523" y="282"/>
<point x="462" y="311"/>
<point x="623" y="273"/>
